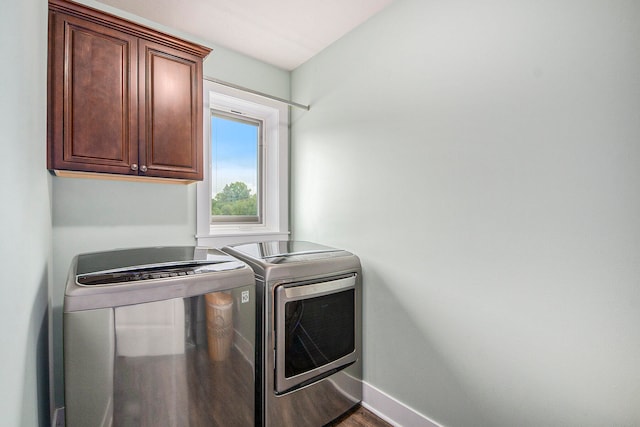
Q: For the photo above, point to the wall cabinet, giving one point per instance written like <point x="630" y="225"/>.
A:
<point x="122" y="98"/>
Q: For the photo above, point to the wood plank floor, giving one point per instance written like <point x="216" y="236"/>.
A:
<point x="172" y="390"/>
<point x="359" y="417"/>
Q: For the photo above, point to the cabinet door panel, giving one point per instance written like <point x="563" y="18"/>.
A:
<point x="94" y="95"/>
<point x="171" y="103"/>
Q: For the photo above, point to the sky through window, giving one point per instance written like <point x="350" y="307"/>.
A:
<point x="234" y="153"/>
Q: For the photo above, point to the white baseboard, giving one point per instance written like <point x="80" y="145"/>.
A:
<point x="392" y="410"/>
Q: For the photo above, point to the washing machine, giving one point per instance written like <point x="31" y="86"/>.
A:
<point x="309" y="330"/>
<point x="161" y="336"/>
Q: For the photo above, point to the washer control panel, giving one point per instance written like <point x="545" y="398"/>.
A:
<point x="114" y="277"/>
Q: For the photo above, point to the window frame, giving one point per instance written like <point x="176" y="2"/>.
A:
<point x="274" y="223"/>
<point x="245" y="119"/>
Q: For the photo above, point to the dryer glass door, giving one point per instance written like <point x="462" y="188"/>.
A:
<point x="315" y="330"/>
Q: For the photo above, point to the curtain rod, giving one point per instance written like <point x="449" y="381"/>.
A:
<point x="264" y="95"/>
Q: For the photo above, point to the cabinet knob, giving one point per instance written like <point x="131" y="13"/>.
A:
<point x="134" y="167"/>
<point x="143" y="168"/>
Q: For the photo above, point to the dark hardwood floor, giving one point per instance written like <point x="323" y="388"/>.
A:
<point x="169" y="390"/>
<point x="359" y="417"/>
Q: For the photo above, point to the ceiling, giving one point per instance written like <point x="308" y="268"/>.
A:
<point x="284" y="33"/>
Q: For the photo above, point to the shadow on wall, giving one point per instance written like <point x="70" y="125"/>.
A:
<point x="81" y="202"/>
<point x="37" y="363"/>
<point x="42" y="371"/>
<point x="390" y="329"/>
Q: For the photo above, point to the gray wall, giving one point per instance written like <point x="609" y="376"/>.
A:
<point x="483" y="159"/>
<point x="92" y="215"/>
<point x="25" y="215"/>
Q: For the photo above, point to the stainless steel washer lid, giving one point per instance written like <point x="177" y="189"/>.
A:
<point x="134" y="276"/>
<point x="286" y="251"/>
<point x="123" y="258"/>
<point x="127" y="265"/>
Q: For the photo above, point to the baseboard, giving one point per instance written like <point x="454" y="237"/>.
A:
<point x="392" y="410"/>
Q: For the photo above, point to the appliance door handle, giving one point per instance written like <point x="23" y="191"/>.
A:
<point x="318" y="289"/>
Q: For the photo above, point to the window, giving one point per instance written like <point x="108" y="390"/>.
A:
<point x="236" y="168"/>
<point x="244" y="194"/>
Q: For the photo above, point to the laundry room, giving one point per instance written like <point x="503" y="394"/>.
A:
<point x="480" y="160"/>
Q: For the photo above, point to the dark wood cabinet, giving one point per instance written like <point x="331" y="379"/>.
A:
<point x="122" y="99"/>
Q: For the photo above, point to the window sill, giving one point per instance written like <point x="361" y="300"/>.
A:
<point x="220" y="237"/>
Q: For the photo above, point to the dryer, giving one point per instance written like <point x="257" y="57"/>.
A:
<point x="309" y="330"/>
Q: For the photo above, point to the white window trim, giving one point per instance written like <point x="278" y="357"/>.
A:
<point x="275" y="224"/>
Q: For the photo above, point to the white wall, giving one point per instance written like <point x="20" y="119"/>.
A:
<point x="92" y="215"/>
<point x="483" y="159"/>
<point x="25" y="215"/>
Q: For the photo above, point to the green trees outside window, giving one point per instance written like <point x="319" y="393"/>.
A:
<point x="235" y="199"/>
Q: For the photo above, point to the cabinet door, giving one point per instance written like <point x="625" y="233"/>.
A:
<point x="92" y="97"/>
<point x="170" y="103"/>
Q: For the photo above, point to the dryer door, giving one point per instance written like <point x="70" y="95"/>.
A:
<point x="315" y="330"/>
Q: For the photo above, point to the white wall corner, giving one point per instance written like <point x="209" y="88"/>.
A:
<point x="392" y="410"/>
